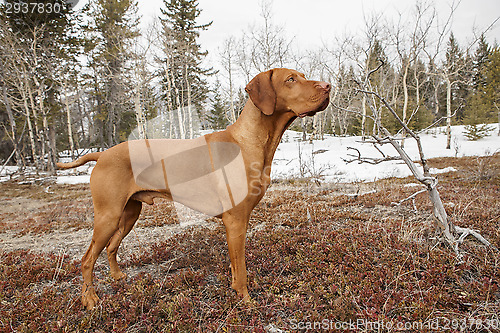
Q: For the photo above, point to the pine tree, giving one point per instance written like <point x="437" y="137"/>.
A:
<point x="421" y="90"/>
<point x="184" y="79"/>
<point x="483" y="104"/>
<point x="453" y="55"/>
<point x="458" y="64"/>
<point x="477" y="131"/>
<point x="479" y="62"/>
<point x="380" y="81"/>
<point x="217" y="115"/>
<point x="493" y="83"/>
<point x="110" y="32"/>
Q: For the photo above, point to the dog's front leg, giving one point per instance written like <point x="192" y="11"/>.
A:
<point x="236" y="228"/>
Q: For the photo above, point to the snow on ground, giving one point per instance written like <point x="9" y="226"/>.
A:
<point x="325" y="158"/>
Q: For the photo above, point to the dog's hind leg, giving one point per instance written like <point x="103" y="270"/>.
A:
<point x="105" y="226"/>
<point x="130" y="215"/>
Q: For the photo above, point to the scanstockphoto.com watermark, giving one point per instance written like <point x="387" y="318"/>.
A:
<point x="437" y="324"/>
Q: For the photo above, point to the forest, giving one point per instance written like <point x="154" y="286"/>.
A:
<point x="73" y="81"/>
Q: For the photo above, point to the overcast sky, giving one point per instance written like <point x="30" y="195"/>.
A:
<point x="312" y="22"/>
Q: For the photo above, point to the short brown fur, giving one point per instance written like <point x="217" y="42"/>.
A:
<point x="277" y="97"/>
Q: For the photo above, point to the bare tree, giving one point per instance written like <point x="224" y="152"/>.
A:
<point x="142" y="58"/>
<point x="270" y="47"/>
<point x="449" y="73"/>
<point x="409" y="45"/>
<point x="5" y="78"/>
<point x="453" y="234"/>
<point x="263" y="46"/>
<point x="228" y="55"/>
<point x="68" y="100"/>
<point x="340" y="57"/>
<point x="18" y="72"/>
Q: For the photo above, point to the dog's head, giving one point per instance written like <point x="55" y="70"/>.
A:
<point x="286" y="90"/>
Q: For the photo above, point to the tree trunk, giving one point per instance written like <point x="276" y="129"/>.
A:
<point x="363" y="119"/>
<point x="52" y="158"/>
<point x="189" y="109"/>
<point x="35" y="120"/>
<point x="13" y="130"/>
<point x="498" y="112"/>
<point x="405" y="103"/>
<point x="169" y="100"/>
<point x="139" y="116"/>
<point x="440" y="214"/>
<point x="70" y="131"/>
<point x="437" y="205"/>
<point x="448" y="113"/>
<point x="180" y="116"/>
<point x="81" y="112"/>
<point x="231" y="100"/>
<point x="30" y="131"/>
<point x="436" y="99"/>
<point x="48" y="134"/>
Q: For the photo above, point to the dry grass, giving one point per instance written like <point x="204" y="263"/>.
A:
<point x="313" y="254"/>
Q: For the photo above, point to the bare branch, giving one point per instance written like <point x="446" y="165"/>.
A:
<point x="351" y="111"/>
<point x="439" y="120"/>
<point x="370" y="160"/>
<point x="382" y="63"/>
<point x="408" y="198"/>
<point x="466" y="232"/>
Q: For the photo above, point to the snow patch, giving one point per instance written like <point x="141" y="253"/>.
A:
<point x="296" y="159"/>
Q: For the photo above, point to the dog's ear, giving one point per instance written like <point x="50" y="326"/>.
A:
<point x="262" y="93"/>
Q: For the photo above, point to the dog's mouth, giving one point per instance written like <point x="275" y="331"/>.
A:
<point x="308" y="113"/>
<point x="321" y="107"/>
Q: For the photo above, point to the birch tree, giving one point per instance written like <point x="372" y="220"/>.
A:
<point x="410" y="43"/>
<point x="227" y="56"/>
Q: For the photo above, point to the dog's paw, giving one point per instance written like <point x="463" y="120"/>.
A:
<point x="89" y="298"/>
<point x="117" y="276"/>
<point x="250" y="302"/>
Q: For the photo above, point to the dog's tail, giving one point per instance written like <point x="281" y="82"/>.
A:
<point x="81" y="161"/>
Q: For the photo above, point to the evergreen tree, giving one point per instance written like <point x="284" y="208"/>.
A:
<point x="381" y="82"/>
<point x="375" y="57"/>
<point x="483" y="104"/>
<point x="480" y="60"/>
<point x="477" y="131"/>
<point x="420" y="91"/>
<point x="493" y="82"/>
<point x="217" y="115"/>
<point x="184" y="79"/>
<point x="456" y="71"/>
<point x="110" y="33"/>
<point x="453" y="55"/>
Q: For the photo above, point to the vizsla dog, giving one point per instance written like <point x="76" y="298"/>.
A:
<point x="224" y="174"/>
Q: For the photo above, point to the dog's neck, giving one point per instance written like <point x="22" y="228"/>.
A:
<point x="260" y="130"/>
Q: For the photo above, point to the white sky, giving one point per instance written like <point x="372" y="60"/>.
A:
<point x="313" y="22"/>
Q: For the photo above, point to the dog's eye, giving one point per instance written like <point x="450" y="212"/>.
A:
<point x="291" y="79"/>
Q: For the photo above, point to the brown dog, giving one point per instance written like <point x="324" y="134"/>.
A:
<point x="230" y="187"/>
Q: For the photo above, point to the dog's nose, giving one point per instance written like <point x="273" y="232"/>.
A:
<point x="324" y="85"/>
